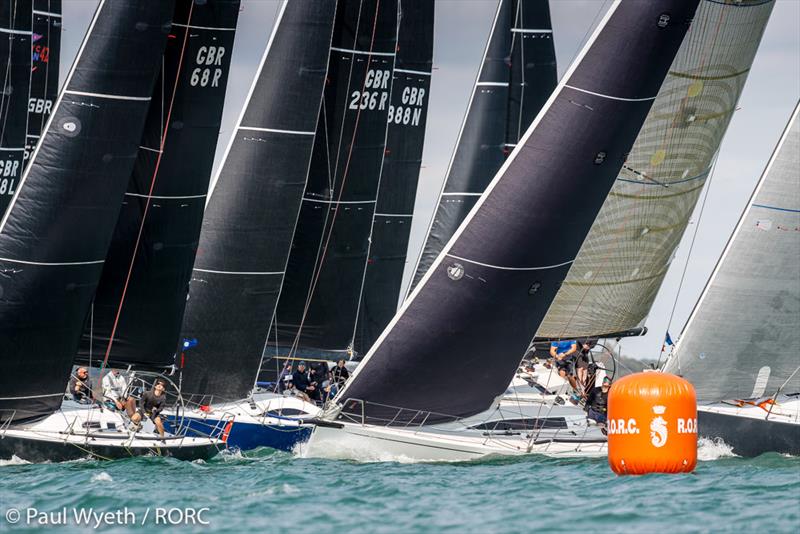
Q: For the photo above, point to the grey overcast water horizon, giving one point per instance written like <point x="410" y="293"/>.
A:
<point x="461" y="29"/>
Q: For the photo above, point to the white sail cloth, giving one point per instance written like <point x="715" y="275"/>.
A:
<point x="621" y="265"/>
<point x="742" y="339"/>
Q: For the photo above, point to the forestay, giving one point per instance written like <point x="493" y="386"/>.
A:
<point x="15" y="58"/>
<point x="137" y="311"/>
<point x="391" y="223"/>
<point x="457" y="340"/>
<point x="321" y="291"/>
<point x="516" y="77"/>
<point x="621" y="265"/>
<point x="741" y="340"/>
<point x="55" y="235"/>
<point x="251" y="215"/>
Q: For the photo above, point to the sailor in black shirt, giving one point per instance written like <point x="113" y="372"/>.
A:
<point x="150" y="405"/>
<point x="597" y="402"/>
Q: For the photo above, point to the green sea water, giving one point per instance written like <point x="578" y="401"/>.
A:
<point x="268" y="491"/>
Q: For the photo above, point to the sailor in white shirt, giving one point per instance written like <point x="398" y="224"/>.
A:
<point x="115" y="389"/>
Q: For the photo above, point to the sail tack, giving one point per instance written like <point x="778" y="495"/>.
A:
<point x="55" y="234"/>
<point x="15" y="58"/>
<point x="391" y="223"/>
<point x="741" y="340"/>
<point x="516" y="77"/>
<point x="142" y="293"/>
<point x="319" y="300"/>
<point x="615" y="278"/>
<point x="251" y="215"/>
<point x="457" y="340"/>
<point x="45" y="61"/>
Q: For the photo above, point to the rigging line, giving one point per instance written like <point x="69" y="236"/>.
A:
<point x="688" y="258"/>
<point x="147" y="204"/>
<point x="345" y="173"/>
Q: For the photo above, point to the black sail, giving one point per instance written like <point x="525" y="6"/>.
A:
<point x="55" y="235"/>
<point x="319" y="300"/>
<point x="391" y="224"/>
<point x="45" y="61"/>
<point x="516" y="78"/>
<point x="142" y="292"/>
<point x="15" y="56"/>
<point x="456" y="342"/>
<point x="249" y="221"/>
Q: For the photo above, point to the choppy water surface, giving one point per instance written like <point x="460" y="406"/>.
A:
<point x="274" y="491"/>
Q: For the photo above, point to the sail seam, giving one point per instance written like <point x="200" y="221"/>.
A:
<point x="525" y="30"/>
<point x="237" y="272"/>
<point x="409" y="71"/>
<point x="394" y="215"/>
<point x="16" y="32"/>
<point x="542" y="268"/>
<point x="46" y="13"/>
<point x="340" y="201"/>
<point x="646" y="99"/>
<point x="363" y="52"/>
<point x="273" y="130"/>
<point x="462" y="194"/>
<point x="492" y="84"/>
<point x="53" y="264"/>
<point x="112" y="97"/>
<point x="164" y="197"/>
<point x="204" y="27"/>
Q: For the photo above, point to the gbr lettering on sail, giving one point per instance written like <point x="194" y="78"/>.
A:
<point x="375" y="94"/>
<point x="208" y="69"/>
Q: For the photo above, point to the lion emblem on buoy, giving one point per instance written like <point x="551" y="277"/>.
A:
<point x="658" y="427"/>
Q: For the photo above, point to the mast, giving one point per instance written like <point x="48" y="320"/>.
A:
<point x="55" y="234"/>
<point x="318" y="305"/>
<point x="456" y="341"/>
<point x="251" y="214"/>
<point x="517" y="75"/>
<point x="15" y="51"/>
<point x="391" y="223"/>
<point x="623" y="262"/>
<point x="45" y="61"/>
<point x="142" y="292"/>
<point x="741" y="338"/>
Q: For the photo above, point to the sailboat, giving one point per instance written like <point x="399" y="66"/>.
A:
<point x="622" y="263"/>
<point x="739" y="346"/>
<point x="45" y="62"/>
<point x="428" y="389"/>
<point x="15" y="51"/>
<point x="55" y="235"/>
<point x="246" y="234"/>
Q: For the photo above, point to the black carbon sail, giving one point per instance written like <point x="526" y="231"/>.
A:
<point x="15" y="58"/>
<point x="251" y="215"/>
<point x="516" y="77"/>
<point x="391" y="223"/>
<point x="457" y="340"/>
<point x="319" y="300"/>
<point x="142" y="293"/>
<point x="45" y="62"/>
<point x="55" y="234"/>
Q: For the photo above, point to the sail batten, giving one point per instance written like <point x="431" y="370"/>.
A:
<point x="741" y="338"/>
<point x="624" y="259"/>
<point x="456" y="341"/>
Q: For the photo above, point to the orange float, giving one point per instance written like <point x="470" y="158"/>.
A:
<point x="652" y="424"/>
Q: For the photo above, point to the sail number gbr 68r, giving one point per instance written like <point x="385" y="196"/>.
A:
<point x="209" y="71"/>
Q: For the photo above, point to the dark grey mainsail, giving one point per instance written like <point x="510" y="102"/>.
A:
<point x="391" y="223"/>
<point x="45" y="62"/>
<point x="623" y="261"/>
<point x="319" y="299"/>
<point x="138" y="307"/>
<point x="15" y="61"/>
<point x="250" y="217"/>
<point x="457" y="340"/>
<point x="516" y="77"/>
<point x="55" y="234"/>
<point x="741" y="340"/>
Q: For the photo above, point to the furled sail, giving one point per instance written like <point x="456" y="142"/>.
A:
<point x="391" y="223"/>
<point x="15" y="57"/>
<point x="615" y="278"/>
<point x="457" y="339"/>
<point x="319" y="299"/>
<point x="55" y="234"/>
<point x="741" y="339"/>
<point x="142" y="293"/>
<point x="516" y="77"/>
<point x="45" y="61"/>
<point x="250" y="217"/>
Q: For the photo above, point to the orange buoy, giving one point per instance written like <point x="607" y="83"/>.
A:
<point x="652" y="424"/>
